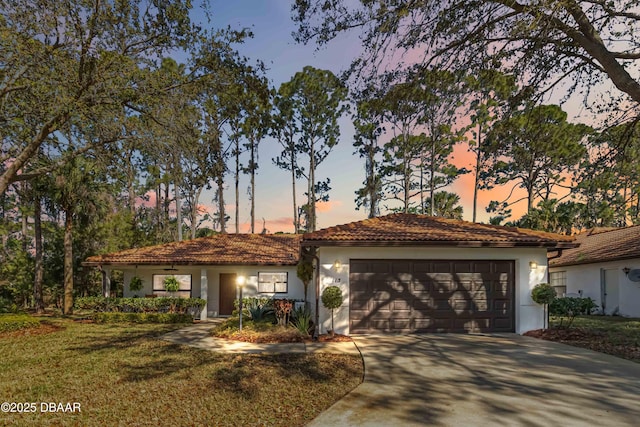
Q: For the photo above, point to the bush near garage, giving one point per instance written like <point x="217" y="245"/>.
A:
<point x="567" y="308"/>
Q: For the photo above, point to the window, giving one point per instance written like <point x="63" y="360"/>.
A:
<point x="183" y="292"/>
<point x="558" y="280"/>
<point x="269" y="283"/>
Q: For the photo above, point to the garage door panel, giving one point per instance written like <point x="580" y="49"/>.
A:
<point x="435" y="296"/>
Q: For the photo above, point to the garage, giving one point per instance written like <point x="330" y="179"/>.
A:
<point x="401" y="296"/>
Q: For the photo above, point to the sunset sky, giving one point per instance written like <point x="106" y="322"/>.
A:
<point x="272" y="26"/>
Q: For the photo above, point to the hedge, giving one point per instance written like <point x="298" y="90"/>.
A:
<point x="190" y="306"/>
<point x="120" y="317"/>
<point x="14" y="322"/>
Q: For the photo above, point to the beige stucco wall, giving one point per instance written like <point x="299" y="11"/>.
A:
<point x="528" y="315"/>
<point x="588" y="277"/>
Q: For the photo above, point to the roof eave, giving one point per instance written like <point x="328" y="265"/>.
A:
<point x="434" y="243"/>
<point x="592" y="261"/>
<point x="183" y="263"/>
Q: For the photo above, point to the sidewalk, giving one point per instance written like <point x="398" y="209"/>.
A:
<point x="199" y="335"/>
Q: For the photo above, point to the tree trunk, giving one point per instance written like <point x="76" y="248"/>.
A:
<point x="178" y="212"/>
<point x="296" y="221"/>
<point x="223" y="222"/>
<point x="476" y="183"/>
<point x="39" y="266"/>
<point x="253" y="186"/>
<point x="68" y="262"/>
<point x="237" y="185"/>
<point x="312" y="188"/>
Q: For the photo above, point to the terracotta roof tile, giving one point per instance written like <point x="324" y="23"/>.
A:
<point x="225" y="249"/>
<point x="600" y="245"/>
<point x="409" y="228"/>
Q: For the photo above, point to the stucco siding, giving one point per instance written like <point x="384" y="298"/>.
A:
<point x="334" y="270"/>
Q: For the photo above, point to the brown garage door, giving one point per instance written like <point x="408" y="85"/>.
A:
<point x="431" y="296"/>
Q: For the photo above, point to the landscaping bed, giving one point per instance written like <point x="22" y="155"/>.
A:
<point x="267" y="332"/>
<point x="612" y="335"/>
<point x="123" y="374"/>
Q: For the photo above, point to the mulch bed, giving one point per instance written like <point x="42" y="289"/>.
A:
<point x="592" y="340"/>
<point x="44" y="328"/>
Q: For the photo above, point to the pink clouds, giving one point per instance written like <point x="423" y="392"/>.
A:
<point x="328" y="206"/>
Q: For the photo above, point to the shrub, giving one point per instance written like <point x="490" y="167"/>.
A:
<point x="136" y="284"/>
<point x="119" y="317"/>
<point x="332" y="299"/>
<point x="301" y="320"/>
<point x="543" y="293"/>
<point x="569" y="308"/>
<point x="282" y="308"/>
<point x="190" y="306"/>
<point x="14" y="322"/>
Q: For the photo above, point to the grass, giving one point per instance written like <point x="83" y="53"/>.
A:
<point x="14" y="322"/>
<point x="122" y="374"/>
<point x="619" y="336"/>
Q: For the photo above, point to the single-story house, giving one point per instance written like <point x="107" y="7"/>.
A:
<point x="398" y="273"/>
<point x="604" y="268"/>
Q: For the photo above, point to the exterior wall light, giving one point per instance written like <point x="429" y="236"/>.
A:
<point x="626" y="270"/>
<point x="337" y="265"/>
<point x="533" y="265"/>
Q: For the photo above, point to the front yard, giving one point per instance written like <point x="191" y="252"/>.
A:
<point x="618" y="336"/>
<point x="123" y="375"/>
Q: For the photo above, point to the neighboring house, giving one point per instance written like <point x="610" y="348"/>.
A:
<point x="398" y="273"/>
<point x="599" y="269"/>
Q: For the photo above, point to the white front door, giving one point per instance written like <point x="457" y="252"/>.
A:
<point x="610" y="292"/>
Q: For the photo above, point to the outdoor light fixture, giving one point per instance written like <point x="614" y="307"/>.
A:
<point x="240" y="282"/>
<point x="533" y="265"/>
<point x="626" y="270"/>
<point x="337" y="264"/>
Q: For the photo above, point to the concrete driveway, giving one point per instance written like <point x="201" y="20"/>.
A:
<point x="478" y="380"/>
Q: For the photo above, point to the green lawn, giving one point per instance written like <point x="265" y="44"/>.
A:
<point x="619" y="336"/>
<point x="123" y="375"/>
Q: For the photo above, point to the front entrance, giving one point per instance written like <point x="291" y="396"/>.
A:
<point x="227" y="293"/>
<point x="610" y="292"/>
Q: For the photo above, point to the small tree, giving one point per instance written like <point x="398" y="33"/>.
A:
<point x="305" y="274"/>
<point x="543" y="293"/>
<point x="332" y="299"/>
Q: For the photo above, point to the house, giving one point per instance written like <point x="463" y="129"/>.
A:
<point x="600" y="269"/>
<point x="398" y="273"/>
<point x="208" y="268"/>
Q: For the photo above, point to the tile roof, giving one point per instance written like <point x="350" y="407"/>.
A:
<point x="600" y="245"/>
<point x="410" y="229"/>
<point x="220" y="249"/>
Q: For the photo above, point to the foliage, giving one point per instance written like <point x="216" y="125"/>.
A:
<point x="136" y="284"/>
<point x="171" y="284"/>
<point x="141" y="305"/>
<point x="123" y="317"/>
<point x="14" y="322"/>
<point x="569" y="307"/>
<point x="543" y="293"/>
<point x="314" y="99"/>
<point x="301" y="320"/>
<point x="304" y="271"/>
<point x="282" y="309"/>
<point x="260" y="313"/>
<point x="257" y="332"/>
<point x="332" y="299"/>
<point x="581" y="42"/>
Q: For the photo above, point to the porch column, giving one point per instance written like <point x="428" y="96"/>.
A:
<point x="204" y="292"/>
<point x="106" y="282"/>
